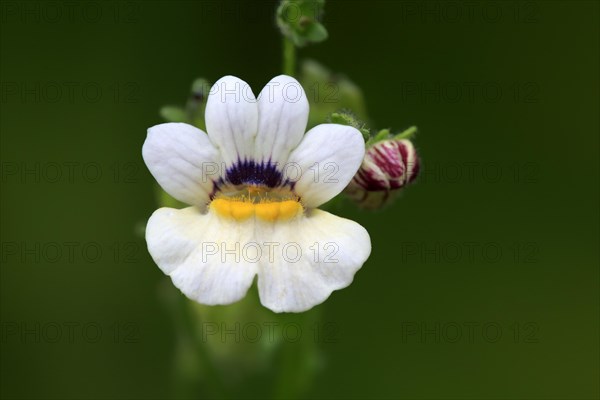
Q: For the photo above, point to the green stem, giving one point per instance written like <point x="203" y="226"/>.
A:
<point x="289" y="57"/>
<point x="211" y="381"/>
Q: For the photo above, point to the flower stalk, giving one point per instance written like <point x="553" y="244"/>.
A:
<point x="289" y="57"/>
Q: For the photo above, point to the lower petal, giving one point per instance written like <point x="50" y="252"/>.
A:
<point x="317" y="254"/>
<point x="202" y="253"/>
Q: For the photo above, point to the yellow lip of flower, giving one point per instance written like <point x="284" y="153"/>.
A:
<point x="258" y="204"/>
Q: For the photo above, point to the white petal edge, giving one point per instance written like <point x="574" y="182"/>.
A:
<point x="232" y="118"/>
<point x="282" y="117"/>
<point x="332" y="250"/>
<point x="324" y="162"/>
<point x="183" y="161"/>
<point x="186" y="244"/>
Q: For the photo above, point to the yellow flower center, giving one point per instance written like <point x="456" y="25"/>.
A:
<point x="258" y="202"/>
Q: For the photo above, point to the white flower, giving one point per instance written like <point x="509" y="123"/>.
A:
<point x="254" y="182"/>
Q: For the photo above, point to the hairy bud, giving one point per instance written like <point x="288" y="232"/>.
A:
<point x="389" y="165"/>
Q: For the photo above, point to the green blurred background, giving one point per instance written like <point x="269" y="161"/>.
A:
<point x="483" y="280"/>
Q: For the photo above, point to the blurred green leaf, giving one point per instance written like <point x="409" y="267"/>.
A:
<point x="299" y="20"/>
<point x="173" y="114"/>
<point x="379" y="136"/>
<point x="329" y="93"/>
<point x="407" y="134"/>
<point x="315" y="32"/>
<point x="195" y="105"/>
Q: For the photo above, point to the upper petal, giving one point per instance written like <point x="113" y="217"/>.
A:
<point x="203" y="254"/>
<point x="325" y="162"/>
<point x="316" y="254"/>
<point x="183" y="161"/>
<point x="232" y="119"/>
<point x="282" y="117"/>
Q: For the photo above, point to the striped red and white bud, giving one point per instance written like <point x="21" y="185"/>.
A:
<point x="388" y="166"/>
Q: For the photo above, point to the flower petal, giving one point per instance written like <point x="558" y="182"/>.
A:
<point x="232" y="119"/>
<point x="193" y="248"/>
<point x="317" y="254"/>
<point x="282" y="118"/>
<point x="183" y="161"/>
<point x="324" y="162"/>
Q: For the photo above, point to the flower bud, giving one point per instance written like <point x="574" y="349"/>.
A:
<point x="388" y="166"/>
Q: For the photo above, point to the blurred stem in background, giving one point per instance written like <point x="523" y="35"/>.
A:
<point x="289" y="57"/>
<point x="242" y="349"/>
